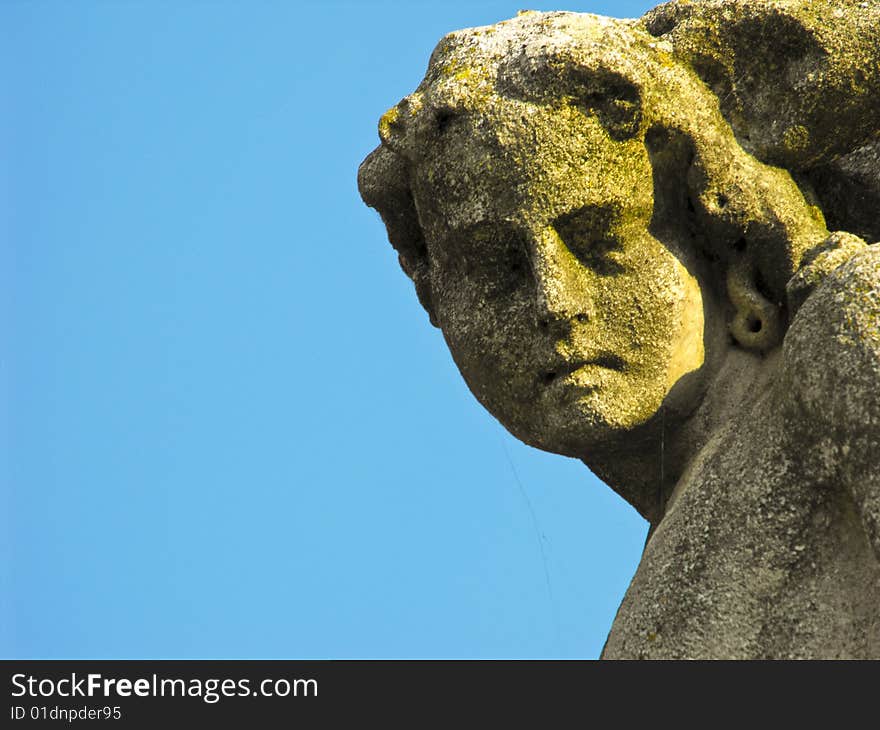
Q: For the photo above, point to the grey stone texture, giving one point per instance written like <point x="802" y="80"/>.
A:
<point x="647" y="244"/>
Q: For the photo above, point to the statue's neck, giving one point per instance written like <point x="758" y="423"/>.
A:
<point x="647" y="467"/>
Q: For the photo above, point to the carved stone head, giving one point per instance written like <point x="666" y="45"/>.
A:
<point x="582" y="224"/>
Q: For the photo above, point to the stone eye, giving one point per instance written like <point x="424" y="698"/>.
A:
<point x="615" y="100"/>
<point x="586" y="234"/>
<point x="493" y="257"/>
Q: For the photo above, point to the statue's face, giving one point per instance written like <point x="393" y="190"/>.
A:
<point x="518" y="190"/>
<point x="568" y="319"/>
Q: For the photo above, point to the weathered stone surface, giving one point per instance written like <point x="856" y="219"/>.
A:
<point x="622" y="228"/>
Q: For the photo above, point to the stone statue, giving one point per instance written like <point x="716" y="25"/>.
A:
<point x="622" y="228"/>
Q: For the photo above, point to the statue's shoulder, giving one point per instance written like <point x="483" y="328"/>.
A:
<point x="831" y="354"/>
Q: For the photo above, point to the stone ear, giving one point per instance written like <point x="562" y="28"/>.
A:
<point x="383" y="181"/>
<point x="756" y="321"/>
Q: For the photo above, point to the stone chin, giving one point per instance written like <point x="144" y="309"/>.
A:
<point x="574" y="419"/>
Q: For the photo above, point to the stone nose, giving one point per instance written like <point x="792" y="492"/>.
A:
<point x="398" y="123"/>
<point x="562" y="293"/>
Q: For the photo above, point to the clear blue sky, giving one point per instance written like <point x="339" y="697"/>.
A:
<point x="227" y="428"/>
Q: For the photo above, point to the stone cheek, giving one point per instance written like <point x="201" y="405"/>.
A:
<point x="772" y="549"/>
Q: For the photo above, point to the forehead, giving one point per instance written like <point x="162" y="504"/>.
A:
<point x="529" y="163"/>
<point x="504" y="125"/>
